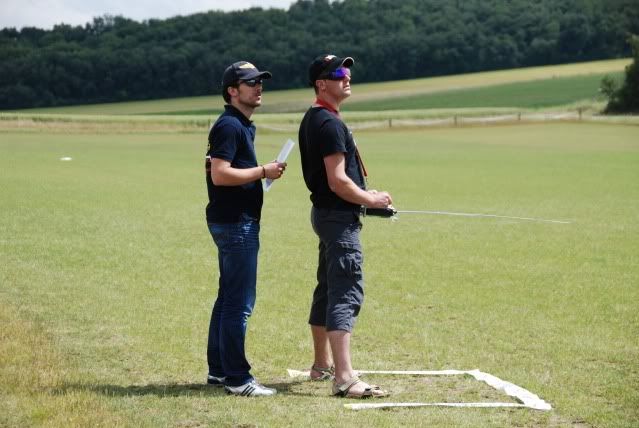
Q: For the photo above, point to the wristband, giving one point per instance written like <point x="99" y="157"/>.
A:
<point x="263" y="171"/>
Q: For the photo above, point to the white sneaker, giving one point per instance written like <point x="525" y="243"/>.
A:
<point x="251" y="389"/>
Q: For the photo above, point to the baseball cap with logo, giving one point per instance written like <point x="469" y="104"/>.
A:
<point x="323" y="65"/>
<point x="242" y="70"/>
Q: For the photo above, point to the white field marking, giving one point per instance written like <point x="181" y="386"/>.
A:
<point x="307" y="373"/>
<point x="65" y="158"/>
<point x="483" y="215"/>
<point x="366" y="406"/>
<point x="525" y="397"/>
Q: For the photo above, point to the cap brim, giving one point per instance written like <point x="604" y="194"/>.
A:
<point x="348" y="62"/>
<point x="257" y="73"/>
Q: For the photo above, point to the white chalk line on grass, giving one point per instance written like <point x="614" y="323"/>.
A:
<point x="368" y="406"/>
<point x="526" y="398"/>
<point x="483" y="215"/>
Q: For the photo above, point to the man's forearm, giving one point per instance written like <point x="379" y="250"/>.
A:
<point x="228" y="176"/>
<point x="350" y="192"/>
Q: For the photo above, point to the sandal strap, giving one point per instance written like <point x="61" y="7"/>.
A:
<point x="325" y="372"/>
<point x="322" y="370"/>
<point x="342" y="389"/>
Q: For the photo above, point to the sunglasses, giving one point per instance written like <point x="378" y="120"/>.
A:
<point x="252" y="82"/>
<point x="338" y="74"/>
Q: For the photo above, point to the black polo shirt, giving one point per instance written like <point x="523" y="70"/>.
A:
<point x="231" y="139"/>
<point x="321" y="134"/>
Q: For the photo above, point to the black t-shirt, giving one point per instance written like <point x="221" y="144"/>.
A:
<point x="321" y="134"/>
<point x="231" y="139"/>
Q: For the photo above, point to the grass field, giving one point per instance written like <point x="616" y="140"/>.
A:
<point x="108" y="274"/>
<point x="532" y="94"/>
<point x="561" y="84"/>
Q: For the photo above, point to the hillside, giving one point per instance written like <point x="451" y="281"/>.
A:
<point x="118" y="59"/>
<point x="548" y="86"/>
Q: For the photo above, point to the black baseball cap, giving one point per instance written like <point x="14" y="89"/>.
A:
<point x="324" y="64"/>
<point x="242" y="70"/>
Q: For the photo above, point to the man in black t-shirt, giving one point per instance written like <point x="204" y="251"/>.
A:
<point x="233" y="179"/>
<point x="335" y="176"/>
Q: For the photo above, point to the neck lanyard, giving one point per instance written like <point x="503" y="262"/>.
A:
<point x="327" y="106"/>
<point x="361" y="163"/>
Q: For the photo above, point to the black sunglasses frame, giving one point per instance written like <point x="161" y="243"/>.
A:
<point x="251" y="83"/>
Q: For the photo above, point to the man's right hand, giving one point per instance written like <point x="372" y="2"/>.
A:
<point x="380" y="199"/>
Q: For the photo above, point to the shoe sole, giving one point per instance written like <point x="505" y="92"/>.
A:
<point x="249" y="391"/>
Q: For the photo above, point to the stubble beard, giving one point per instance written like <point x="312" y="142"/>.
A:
<point x="252" y="103"/>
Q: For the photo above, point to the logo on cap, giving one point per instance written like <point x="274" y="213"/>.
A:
<point x="247" y="65"/>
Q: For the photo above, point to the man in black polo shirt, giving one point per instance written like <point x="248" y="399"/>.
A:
<point x="335" y="175"/>
<point x="233" y="179"/>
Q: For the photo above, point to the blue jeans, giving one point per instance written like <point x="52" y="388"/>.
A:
<point x="238" y="245"/>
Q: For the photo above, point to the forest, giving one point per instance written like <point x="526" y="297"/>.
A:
<point x="114" y="58"/>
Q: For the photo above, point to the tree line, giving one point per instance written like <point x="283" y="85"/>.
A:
<point x="624" y="97"/>
<point x="114" y="58"/>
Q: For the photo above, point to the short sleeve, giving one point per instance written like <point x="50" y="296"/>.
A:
<point x="224" y="140"/>
<point x="332" y="138"/>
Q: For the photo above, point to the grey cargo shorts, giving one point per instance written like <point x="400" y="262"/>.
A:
<point x="339" y="293"/>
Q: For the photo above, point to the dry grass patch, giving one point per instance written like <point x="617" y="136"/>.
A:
<point x="32" y="370"/>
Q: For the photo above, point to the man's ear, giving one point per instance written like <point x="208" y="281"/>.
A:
<point x="232" y="91"/>
<point x="321" y="85"/>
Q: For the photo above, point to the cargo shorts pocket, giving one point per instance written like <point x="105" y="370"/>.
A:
<point x="350" y="259"/>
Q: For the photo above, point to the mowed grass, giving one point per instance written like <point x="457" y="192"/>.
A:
<point x="404" y="94"/>
<point x="108" y="275"/>
<point x="533" y="94"/>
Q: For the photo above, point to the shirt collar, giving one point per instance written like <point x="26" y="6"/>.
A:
<point x="231" y="110"/>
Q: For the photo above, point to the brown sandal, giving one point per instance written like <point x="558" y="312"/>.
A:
<point x="326" y="373"/>
<point x="344" y="389"/>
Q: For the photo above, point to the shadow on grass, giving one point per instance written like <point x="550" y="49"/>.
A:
<point x="166" y="390"/>
<point x="162" y="390"/>
<point x="291" y="388"/>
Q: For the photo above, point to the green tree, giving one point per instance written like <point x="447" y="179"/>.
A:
<point x="114" y="58"/>
<point x="626" y="98"/>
